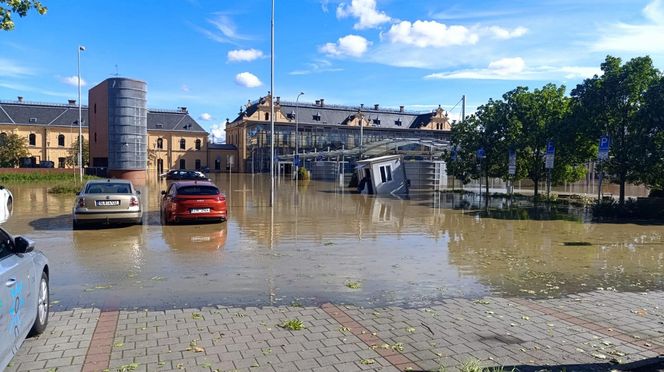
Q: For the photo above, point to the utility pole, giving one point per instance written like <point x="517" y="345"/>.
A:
<point x="463" y="108"/>
<point x="80" y="117"/>
<point x="272" y="107"/>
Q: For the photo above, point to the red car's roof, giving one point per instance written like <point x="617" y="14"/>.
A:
<point x="179" y="184"/>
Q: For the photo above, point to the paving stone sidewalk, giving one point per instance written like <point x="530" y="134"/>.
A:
<point x="600" y="331"/>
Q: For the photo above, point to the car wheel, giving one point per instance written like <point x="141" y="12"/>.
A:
<point x="42" y="306"/>
<point x="76" y="225"/>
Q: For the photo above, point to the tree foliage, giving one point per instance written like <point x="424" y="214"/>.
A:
<point x="12" y="148"/>
<point x="20" y="7"/>
<point x="609" y="105"/>
<point x="72" y="154"/>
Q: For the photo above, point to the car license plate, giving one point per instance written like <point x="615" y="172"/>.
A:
<point x="107" y="203"/>
<point x="200" y="210"/>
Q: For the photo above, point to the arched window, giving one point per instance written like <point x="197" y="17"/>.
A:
<point x="267" y="116"/>
<point x="183" y="144"/>
<point x="198" y="144"/>
<point x="160" y="143"/>
<point x="32" y="139"/>
<point x="61" y="140"/>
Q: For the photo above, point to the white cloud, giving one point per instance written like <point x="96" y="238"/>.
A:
<point x="10" y="68"/>
<point x="425" y="34"/>
<point x="366" y="13"/>
<point x="73" y="81"/>
<point x="244" y="55"/>
<point x="317" y="66"/>
<point x="504" y="34"/>
<point x="205" y="117"/>
<point x="350" y="45"/>
<point x="247" y="79"/>
<point x="516" y="69"/>
<point x="218" y="133"/>
<point x="224" y="31"/>
<point x="185" y="88"/>
<point x="323" y="5"/>
<point x="643" y="38"/>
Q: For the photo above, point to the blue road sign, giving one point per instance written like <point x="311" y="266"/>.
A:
<point x="550" y="148"/>
<point x="604" y="145"/>
<point x="454" y="154"/>
<point x="296" y="160"/>
<point x="480" y="153"/>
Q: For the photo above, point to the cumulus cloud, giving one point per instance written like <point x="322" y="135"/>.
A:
<point x="504" y="34"/>
<point x="205" y="116"/>
<point x="218" y="133"/>
<point x="366" y="13"/>
<point x="425" y="34"/>
<point x="244" y="55"/>
<point x="641" y="38"/>
<point x="516" y="69"/>
<point x="350" y="45"/>
<point x="247" y="79"/>
<point x="72" y="80"/>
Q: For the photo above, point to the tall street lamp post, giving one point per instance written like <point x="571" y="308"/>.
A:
<point x="272" y="108"/>
<point x="80" y="117"/>
<point x="297" y="137"/>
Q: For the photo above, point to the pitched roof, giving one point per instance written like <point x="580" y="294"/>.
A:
<point x="53" y="114"/>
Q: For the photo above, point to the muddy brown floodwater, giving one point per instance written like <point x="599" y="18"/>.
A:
<point x="321" y="240"/>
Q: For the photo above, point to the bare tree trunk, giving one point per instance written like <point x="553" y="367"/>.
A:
<point x="486" y="199"/>
<point x="622" y="188"/>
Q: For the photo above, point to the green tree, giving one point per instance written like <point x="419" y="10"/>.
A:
<point x="72" y="154"/>
<point x="537" y="117"/>
<point x="651" y="131"/>
<point x="12" y="148"/>
<point x="20" y="7"/>
<point x="609" y="105"/>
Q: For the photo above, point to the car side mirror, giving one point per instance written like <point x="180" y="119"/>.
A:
<point x="163" y="192"/>
<point x="23" y="245"/>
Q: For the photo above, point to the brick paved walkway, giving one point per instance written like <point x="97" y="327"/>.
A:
<point x="593" y="331"/>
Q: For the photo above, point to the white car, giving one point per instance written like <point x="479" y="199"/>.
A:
<point x="6" y="204"/>
<point x="24" y="293"/>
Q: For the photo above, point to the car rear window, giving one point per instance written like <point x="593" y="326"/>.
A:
<point x="108" y="188"/>
<point x="198" y="190"/>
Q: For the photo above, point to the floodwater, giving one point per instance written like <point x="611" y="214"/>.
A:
<point x="320" y="240"/>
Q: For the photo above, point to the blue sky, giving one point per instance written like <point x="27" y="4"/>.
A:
<point x="213" y="56"/>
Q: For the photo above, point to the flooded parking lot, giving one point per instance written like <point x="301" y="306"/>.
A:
<point x="321" y="243"/>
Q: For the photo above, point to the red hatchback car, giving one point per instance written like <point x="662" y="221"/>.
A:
<point x="192" y="201"/>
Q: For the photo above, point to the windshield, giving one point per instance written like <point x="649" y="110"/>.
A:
<point x="198" y="190"/>
<point x="108" y="188"/>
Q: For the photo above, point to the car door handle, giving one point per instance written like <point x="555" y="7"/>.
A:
<point x="10" y="282"/>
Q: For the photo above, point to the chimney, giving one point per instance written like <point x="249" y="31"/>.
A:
<point x="72" y="102"/>
<point x="361" y="106"/>
<point x="376" y="106"/>
<point x="401" y="108"/>
<point x="183" y="109"/>
<point x="278" y="100"/>
<point x="317" y="102"/>
<point x="20" y="98"/>
<point x="322" y="102"/>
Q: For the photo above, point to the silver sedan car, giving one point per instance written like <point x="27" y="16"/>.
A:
<point x="24" y="292"/>
<point x="107" y="201"/>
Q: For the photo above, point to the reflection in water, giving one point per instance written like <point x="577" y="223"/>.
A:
<point x="319" y="236"/>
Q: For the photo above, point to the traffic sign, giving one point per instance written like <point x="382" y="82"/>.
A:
<point x="511" y="165"/>
<point x="480" y="153"/>
<point x="550" y="155"/>
<point x="550" y="148"/>
<point x="296" y="160"/>
<point x="454" y="154"/>
<point x="603" y="148"/>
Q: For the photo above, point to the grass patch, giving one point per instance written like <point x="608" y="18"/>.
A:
<point x="41" y="177"/>
<point x="353" y="285"/>
<point x="65" y="188"/>
<point x="292" y="324"/>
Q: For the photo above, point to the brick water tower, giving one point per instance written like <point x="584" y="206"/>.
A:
<point x="117" y="116"/>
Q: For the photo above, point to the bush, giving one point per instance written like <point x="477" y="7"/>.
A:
<point x="639" y="209"/>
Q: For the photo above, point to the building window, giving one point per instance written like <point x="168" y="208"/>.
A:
<point x="32" y="139"/>
<point x="397" y="122"/>
<point x="376" y="121"/>
<point x="267" y="116"/>
<point x="160" y="143"/>
<point x="61" y="141"/>
<point x="198" y="164"/>
<point x="61" y="162"/>
<point x="183" y="164"/>
<point x="198" y="144"/>
<point x="386" y="173"/>
<point x="95" y="108"/>
<point x="183" y="144"/>
<point x="316" y="116"/>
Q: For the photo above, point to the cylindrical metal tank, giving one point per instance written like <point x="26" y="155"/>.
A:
<point x="127" y="126"/>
